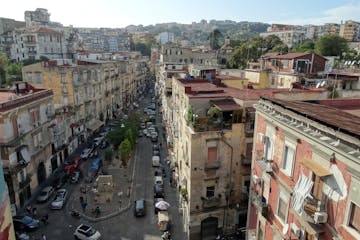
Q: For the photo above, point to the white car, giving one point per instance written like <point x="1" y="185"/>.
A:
<point x="97" y="141"/>
<point x="60" y="199"/>
<point x="85" y="232"/>
<point x="86" y="153"/>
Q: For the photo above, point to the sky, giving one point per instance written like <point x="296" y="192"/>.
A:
<point x="121" y="13"/>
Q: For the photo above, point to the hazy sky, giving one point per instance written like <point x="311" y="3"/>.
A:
<point x="121" y="13"/>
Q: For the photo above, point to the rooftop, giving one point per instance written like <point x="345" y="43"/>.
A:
<point x="325" y="114"/>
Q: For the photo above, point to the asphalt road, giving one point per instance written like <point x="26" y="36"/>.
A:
<point x="126" y="225"/>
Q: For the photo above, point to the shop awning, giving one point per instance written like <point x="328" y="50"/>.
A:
<point x="95" y="125"/>
<point x="315" y="167"/>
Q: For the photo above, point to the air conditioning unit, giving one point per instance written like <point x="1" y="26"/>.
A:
<point x="295" y="230"/>
<point x="320" y="217"/>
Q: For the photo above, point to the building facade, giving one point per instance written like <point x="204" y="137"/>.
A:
<point x="26" y="114"/>
<point x="305" y="171"/>
<point x="350" y="30"/>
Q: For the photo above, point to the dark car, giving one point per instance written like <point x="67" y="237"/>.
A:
<point x="156" y="147"/>
<point x="60" y="181"/>
<point x="104" y="144"/>
<point x="159" y="191"/>
<point x="140" y="209"/>
<point x="25" y="223"/>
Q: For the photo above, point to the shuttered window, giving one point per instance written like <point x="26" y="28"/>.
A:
<point x="212" y="155"/>
<point x="354" y="221"/>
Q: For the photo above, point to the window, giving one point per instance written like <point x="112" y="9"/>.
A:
<point x="282" y="207"/>
<point x="38" y="77"/>
<point x="272" y="80"/>
<point x="269" y="148"/>
<point x="288" y="159"/>
<point x="354" y="217"/>
<point x="286" y="63"/>
<point x="212" y="155"/>
<point x="210" y="192"/>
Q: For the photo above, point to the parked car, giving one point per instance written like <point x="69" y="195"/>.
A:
<point x="85" y="232"/>
<point x="60" y="199"/>
<point x="45" y="194"/>
<point x="140" y="209"/>
<point x="60" y="181"/>
<point x="156" y="200"/>
<point x="104" y="144"/>
<point x="159" y="191"/>
<point x="21" y="236"/>
<point x="25" y="223"/>
<point x="155" y="161"/>
<point x="154" y="138"/>
<point x="158" y="180"/>
<point x="97" y="141"/>
<point x="156" y="147"/>
<point x="156" y="153"/>
<point x="163" y="221"/>
<point x="75" y="177"/>
<point x="86" y="153"/>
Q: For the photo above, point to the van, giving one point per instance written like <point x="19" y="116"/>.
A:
<point x="156" y="161"/>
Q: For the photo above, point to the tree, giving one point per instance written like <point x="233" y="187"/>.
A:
<point x="108" y="154"/>
<point x="215" y="38"/>
<point x="125" y="150"/>
<point x="331" y="45"/>
<point x="9" y="71"/>
<point x="307" y="46"/>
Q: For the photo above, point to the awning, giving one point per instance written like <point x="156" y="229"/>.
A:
<point x="95" y="125"/>
<point x="226" y="105"/>
<point x="310" y="228"/>
<point x="25" y="154"/>
<point x="316" y="168"/>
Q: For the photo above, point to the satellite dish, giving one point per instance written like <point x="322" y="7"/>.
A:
<point x="322" y="83"/>
<point x="285" y="229"/>
<point x="317" y="85"/>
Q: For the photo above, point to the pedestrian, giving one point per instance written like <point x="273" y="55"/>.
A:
<point x="45" y="218"/>
<point x="83" y="205"/>
<point x="34" y="211"/>
<point x="43" y="237"/>
<point x="28" y="209"/>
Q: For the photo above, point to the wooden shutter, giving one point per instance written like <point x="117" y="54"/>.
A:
<point x="212" y="154"/>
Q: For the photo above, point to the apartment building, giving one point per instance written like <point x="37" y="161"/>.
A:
<point x="36" y="42"/>
<point x="26" y="114"/>
<point x="350" y="30"/>
<point x="283" y="70"/>
<point x="305" y="170"/>
<point x="288" y="34"/>
<point x="171" y="53"/>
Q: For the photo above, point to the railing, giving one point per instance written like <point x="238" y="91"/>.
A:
<point x="211" y="202"/>
<point x="25" y="182"/>
<point x="265" y="164"/>
<point x="314" y="210"/>
<point x="260" y="204"/>
<point x="213" y="165"/>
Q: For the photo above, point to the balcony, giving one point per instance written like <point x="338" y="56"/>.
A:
<point x="211" y="202"/>
<point x="314" y="210"/>
<point x="212" y="165"/>
<point x="260" y="203"/>
<point x="25" y="182"/>
<point x="265" y="164"/>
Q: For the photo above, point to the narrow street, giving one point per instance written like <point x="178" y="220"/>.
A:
<point x="124" y="225"/>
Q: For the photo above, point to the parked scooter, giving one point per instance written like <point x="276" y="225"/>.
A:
<point x="75" y="214"/>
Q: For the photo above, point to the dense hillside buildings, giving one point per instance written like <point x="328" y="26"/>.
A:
<point x="350" y="30"/>
<point x="305" y="170"/>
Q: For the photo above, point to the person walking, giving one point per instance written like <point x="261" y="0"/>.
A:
<point x="43" y="237"/>
<point x="34" y="211"/>
<point x="45" y="218"/>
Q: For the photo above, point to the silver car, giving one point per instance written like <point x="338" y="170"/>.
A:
<point x="45" y="194"/>
<point x="60" y="199"/>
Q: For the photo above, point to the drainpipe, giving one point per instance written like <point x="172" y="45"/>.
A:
<point x="228" y="194"/>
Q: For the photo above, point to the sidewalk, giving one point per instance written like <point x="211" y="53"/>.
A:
<point x="121" y="196"/>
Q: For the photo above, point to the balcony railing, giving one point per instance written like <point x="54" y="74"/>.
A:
<point x="212" y="165"/>
<point x="260" y="204"/>
<point x="25" y="182"/>
<point x="265" y="164"/>
<point x="211" y="202"/>
<point x="314" y="210"/>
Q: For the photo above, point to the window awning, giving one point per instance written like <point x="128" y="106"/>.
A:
<point x="95" y="125"/>
<point x="316" y="168"/>
<point x="25" y="154"/>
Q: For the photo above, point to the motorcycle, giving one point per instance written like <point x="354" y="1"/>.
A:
<point x="75" y="214"/>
